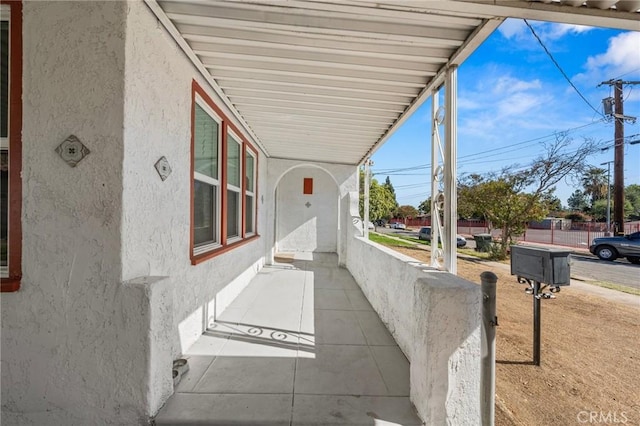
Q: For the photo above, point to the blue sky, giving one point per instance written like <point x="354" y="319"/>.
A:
<point x="511" y="97"/>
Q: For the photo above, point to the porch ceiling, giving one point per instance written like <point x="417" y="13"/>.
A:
<point x="331" y="80"/>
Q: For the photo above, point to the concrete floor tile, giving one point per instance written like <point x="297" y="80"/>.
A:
<point x="339" y="369"/>
<point x="312" y="410"/>
<point x="232" y="314"/>
<point x="358" y="300"/>
<point x="338" y="327"/>
<point x="374" y="329"/>
<point x="248" y="375"/>
<point x="394" y="367"/>
<point x="331" y="299"/>
<point x="217" y="409"/>
<point x="197" y="367"/>
<point x="259" y="347"/>
<point x="209" y="344"/>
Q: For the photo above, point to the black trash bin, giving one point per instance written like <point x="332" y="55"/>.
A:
<point x="483" y="242"/>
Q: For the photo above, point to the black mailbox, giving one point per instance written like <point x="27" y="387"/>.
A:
<point x="544" y="265"/>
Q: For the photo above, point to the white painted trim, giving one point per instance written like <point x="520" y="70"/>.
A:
<point x="449" y="242"/>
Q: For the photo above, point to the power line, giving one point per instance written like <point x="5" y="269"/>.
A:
<point x="560" y="68"/>
<point x="397" y="172"/>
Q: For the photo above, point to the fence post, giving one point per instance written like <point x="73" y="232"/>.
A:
<point x="489" y="323"/>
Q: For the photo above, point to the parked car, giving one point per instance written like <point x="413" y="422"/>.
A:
<point x="611" y="248"/>
<point x="425" y="234"/>
<point x="398" y="225"/>
<point x="370" y="225"/>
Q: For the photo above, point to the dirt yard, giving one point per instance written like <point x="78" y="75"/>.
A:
<point x="590" y="354"/>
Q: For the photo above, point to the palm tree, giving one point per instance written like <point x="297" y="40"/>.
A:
<point x="594" y="181"/>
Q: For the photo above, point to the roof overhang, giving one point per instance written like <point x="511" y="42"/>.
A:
<point x="331" y="80"/>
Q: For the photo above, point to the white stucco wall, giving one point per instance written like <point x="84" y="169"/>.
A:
<point x="63" y="358"/>
<point x="158" y="123"/>
<point x="90" y="336"/>
<point x="343" y="177"/>
<point x="436" y="319"/>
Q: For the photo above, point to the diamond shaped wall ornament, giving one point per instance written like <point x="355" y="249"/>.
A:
<point x="72" y="151"/>
<point x="308" y="204"/>
<point x="163" y="168"/>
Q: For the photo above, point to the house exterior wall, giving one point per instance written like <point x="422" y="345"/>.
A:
<point x="307" y="222"/>
<point x="345" y="177"/>
<point x="158" y="123"/>
<point x="62" y="332"/>
<point x="109" y="295"/>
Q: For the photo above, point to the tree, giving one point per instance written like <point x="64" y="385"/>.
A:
<point x="594" y="181"/>
<point x="381" y="202"/>
<point x="511" y="198"/>
<point x="632" y="196"/>
<point x="389" y="186"/>
<point x="425" y="206"/>
<point x="599" y="209"/>
<point x="406" y="211"/>
<point x="578" y="201"/>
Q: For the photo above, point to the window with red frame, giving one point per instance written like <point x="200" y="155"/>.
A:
<point x="10" y="144"/>
<point x="223" y="183"/>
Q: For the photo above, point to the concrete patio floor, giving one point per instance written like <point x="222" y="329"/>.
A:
<point x="301" y="345"/>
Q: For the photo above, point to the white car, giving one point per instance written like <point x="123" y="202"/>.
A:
<point x="398" y="225"/>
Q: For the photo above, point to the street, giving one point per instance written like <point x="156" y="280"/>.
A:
<point x="584" y="266"/>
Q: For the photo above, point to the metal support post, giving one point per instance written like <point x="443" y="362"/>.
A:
<point x="367" y="185"/>
<point x="536" y="323"/>
<point x="489" y="324"/>
<point x="435" y="184"/>
<point x="449" y="242"/>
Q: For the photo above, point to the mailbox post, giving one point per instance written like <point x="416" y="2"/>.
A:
<point x="536" y="266"/>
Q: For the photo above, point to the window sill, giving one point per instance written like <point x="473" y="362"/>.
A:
<point x="197" y="259"/>
<point x="10" y="285"/>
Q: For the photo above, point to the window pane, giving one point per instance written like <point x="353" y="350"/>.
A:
<point x="233" y="161"/>
<point x="248" y="214"/>
<point x="4" y="78"/>
<point x="249" y="172"/>
<point x="205" y="141"/>
<point x="4" y="202"/>
<point x="233" y="205"/>
<point x="204" y="213"/>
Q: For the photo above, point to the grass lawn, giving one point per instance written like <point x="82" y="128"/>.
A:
<point x="381" y="239"/>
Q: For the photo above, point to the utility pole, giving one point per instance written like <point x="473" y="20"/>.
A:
<point x="618" y="158"/>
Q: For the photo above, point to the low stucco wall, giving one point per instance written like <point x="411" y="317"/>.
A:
<point x="436" y="319"/>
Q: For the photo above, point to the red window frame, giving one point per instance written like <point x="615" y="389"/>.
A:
<point x="197" y="92"/>
<point x="11" y="283"/>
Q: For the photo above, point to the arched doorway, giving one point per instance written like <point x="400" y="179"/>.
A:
<point x="307" y="211"/>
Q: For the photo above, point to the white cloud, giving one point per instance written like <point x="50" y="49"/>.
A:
<point x="501" y="103"/>
<point x="513" y="28"/>
<point x="517" y="30"/>
<point x="555" y="31"/>
<point x="622" y="56"/>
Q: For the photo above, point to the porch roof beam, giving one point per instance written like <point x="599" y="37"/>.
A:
<point x="332" y="114"/>
<point x="284" y="19"/>
<point x="550" y="12"/>
<point x="304" y="43"/>
<point x="359" y="109"/>
<point x="323" y="85"/>
<point x="342" y="72"/>
<point x="338" y="80"/>
<point x="408" y="65"/>
<point x="293" y="93"/>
